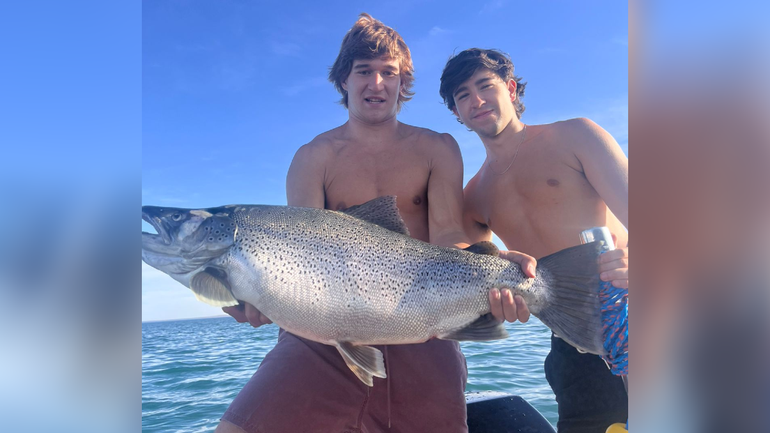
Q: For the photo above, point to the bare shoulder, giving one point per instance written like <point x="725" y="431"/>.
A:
<point x="320" y="148"/>
<point x="430" y="140"/>
<point x="580" y="133"/>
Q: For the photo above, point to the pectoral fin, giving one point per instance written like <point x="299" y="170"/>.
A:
<point x="364" y="361"/>
<point x="210" y="286"/>
<point x="485" y="328"/>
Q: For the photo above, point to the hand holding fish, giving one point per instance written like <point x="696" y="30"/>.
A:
<point x="613" y="266"/>
<point x="245" y="312"/>
<point x="504" y="304"/>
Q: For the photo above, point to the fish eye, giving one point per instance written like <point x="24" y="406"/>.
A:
<point x="176" y="216"/>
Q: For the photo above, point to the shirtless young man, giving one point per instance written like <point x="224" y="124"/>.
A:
<point x="303" y="386"/>
<point x="539" y="187"/>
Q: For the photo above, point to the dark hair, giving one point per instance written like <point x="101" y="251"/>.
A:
<point x="371" y="39"/>
<point x="462" y="66"/>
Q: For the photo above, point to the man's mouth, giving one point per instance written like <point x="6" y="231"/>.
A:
<point x="373" y="100"/>
<point x="482" y="114"/>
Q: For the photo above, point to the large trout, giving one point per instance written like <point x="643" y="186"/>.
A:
<point x="355" y="278"/>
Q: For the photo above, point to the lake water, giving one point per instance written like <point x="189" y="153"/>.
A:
<point x="193" y="369"/>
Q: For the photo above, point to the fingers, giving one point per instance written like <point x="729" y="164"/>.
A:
<point x="522" y="311"/>
<point x="255" y="317"/>
<point x="237" y="313"/>
<point x="610" y="256"/>
<point x="507" y="307"/>
<point x="495" y="305"/>
<point x="613" y="267"/>
<point x="527" y="262"/>
<point x="618" y="278"/>
<point x="244" y="312"/>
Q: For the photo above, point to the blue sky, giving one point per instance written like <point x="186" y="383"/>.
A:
<point x="231" y="89"/>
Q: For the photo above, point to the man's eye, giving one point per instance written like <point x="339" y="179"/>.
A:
<point x="363" y="72"/>
<point x="485" y="86"/>
<point x="461" y="97"/>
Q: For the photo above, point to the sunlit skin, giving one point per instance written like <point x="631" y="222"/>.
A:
<point x="568" y="176"/>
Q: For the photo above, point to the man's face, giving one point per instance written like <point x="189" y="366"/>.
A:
<point x="373" y="88"/>
<point x="484" y="103"/>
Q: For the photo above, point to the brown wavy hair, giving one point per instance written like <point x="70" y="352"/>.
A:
<point x="371" y="39"/>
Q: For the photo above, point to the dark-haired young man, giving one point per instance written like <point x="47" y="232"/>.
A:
<point x="538" y="188"/>
<point x="304" y="386"/>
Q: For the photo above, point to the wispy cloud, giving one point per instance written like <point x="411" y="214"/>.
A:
<point x="286" y="49"/>
<point x="550" y="50"/>
<point x="304" y="85"/>
<point x="492" y="6"/>
<point x="437" y="31"/>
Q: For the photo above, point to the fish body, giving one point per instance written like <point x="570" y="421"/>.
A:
<point x="354" y="279"/>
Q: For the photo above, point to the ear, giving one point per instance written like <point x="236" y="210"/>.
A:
<point x="454" y="111"/>
<point x="345" y="85"/>
<point x="512" y="89"/>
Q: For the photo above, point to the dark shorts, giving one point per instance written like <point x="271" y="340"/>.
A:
<point x="589" y="396"/>
<point x="302" y="387"/>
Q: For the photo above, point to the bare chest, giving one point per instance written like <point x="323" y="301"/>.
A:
<point x="537" y="205"/>
<point x="355" y="177"/>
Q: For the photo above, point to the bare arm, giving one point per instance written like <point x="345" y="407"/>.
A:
<point x="305" y="180"/>
<point x="604" y="165"/>
<point x="445" y="195"/>
<point x="474" y="229"/>
<point x="606" y="168"/>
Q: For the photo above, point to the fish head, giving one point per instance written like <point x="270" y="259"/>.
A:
<point x="187" y="239"/>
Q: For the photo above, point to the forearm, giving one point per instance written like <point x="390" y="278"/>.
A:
<point x="451" y="238"/>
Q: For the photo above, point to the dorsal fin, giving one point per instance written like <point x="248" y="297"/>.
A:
<point x="381" y="211"/>
<point x="484" y="247"/>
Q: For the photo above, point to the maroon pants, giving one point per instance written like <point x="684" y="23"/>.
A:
<point x="305" y="387"/>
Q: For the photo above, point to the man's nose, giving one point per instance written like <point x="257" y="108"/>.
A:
<point x="476" y="100"/>
<point x="377" y="80"/>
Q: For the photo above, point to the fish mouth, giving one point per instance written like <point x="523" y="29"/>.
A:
<point x="158" y="226"/>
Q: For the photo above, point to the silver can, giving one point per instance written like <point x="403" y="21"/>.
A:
<point x="598" y="234"/>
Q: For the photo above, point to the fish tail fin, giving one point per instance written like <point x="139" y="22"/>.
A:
<point x="573" y="310"/>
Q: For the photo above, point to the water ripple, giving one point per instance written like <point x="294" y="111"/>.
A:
<point x="193" y="369"/>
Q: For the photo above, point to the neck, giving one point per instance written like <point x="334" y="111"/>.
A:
<point x="505" y="143"/>
<point x="366" y="132"/>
